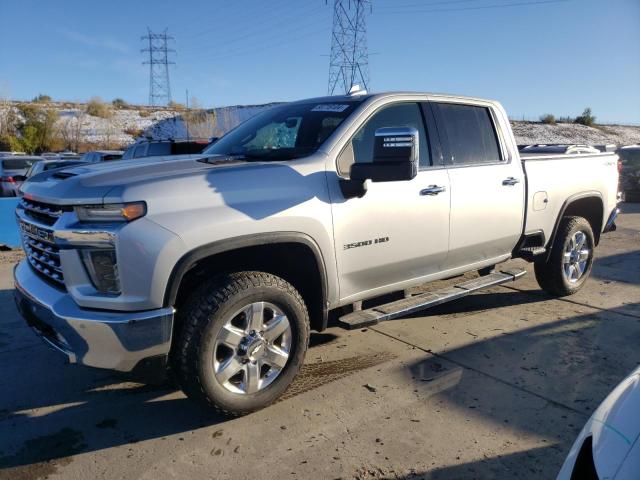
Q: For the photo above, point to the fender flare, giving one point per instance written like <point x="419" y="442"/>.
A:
<point x="573" y="198"/>
<point x="191" y="258"/>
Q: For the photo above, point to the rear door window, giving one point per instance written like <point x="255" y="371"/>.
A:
<point x="159" y="149"/>
<point x="469" y="132"/>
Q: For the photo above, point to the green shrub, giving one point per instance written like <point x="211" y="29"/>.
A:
<point x="586" y="118"/>
<point x="41" y="98"/>
<point x="10" y="143"/>
<point x="38" y="127"/>
<point x="175" y="106"/>
<point x="548" y="118"/>
<point x="97" y="108"/>
<point x="119" y="103"/>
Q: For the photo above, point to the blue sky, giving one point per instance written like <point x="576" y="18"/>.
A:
<point x="554" y="56"/>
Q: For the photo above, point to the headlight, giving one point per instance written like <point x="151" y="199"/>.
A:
<point x="111" y="212"/>
<point x="103" y="270"/>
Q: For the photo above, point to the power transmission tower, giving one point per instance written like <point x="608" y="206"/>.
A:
<point x="349" y="60"/>
<point x="159" y="86"/>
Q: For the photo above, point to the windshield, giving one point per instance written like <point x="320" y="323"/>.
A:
<point x="284" y="132"/>
<point x="18" y="163"/>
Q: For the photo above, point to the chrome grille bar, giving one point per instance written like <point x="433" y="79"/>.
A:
<point x="41" y="252"/>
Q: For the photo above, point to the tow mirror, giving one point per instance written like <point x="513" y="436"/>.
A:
<point x="395" y="156"/>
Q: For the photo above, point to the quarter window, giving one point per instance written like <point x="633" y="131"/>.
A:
<point x="470" y="133"/>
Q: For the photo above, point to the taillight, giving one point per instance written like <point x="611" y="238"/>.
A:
<point x="7" y="179"/>
<point x="619" y="166"/>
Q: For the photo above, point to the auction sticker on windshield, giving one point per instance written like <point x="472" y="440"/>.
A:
<point x="330" y="107"/>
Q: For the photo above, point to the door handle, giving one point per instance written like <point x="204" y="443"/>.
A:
<point x="510" y="181"/>
<point x="433" y="190"/>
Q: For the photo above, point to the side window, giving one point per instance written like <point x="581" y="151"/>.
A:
<point x="159" y="149"/>
<point x="360" y="148"/>
<point x="139" y="151"/>
<point x="470" y="133"/>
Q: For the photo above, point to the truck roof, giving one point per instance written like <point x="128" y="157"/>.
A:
<point x="360" y="97"/>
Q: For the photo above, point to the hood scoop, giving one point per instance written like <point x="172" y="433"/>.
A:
<point x="63" y="175"/>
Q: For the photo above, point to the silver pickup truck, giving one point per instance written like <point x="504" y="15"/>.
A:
<point x="218" y="266"/>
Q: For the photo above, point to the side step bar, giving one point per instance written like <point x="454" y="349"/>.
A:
<point x="406" y="306"/>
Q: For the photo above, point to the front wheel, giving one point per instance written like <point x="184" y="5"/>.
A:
<point x="242" y="341"/>
<point x="571" y="258"/>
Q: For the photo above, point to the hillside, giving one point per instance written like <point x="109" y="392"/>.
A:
<point x="127" y="124"/>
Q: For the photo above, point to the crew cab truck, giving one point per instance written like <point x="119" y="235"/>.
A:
<point x="218" y="266"/>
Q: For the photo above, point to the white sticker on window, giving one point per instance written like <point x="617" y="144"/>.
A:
<point x="330" y="107"/>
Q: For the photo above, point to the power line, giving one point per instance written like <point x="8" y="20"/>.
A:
<point x="349" y="59"/>
<point x="424" y="4"/>
<point x="396" y="10"/>
<point x="264" y="35"/>
<point x="159" y="85"/>
<point x="265" y="45"/>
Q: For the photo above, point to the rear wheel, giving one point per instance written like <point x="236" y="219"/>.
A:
<point x="242" y="342"/>
<point x="571" y="259"/>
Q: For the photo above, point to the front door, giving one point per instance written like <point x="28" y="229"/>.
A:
<point x="398" y="231"/>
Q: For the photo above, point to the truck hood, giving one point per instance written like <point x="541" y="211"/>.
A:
<point x="91" y="183"/>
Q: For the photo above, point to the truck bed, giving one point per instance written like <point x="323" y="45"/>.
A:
<point x="554" y="180"/>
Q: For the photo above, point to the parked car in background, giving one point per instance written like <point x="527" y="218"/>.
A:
<point x="67" y="154"/>
<point x="46" y="165"/>
<point x="9" y="154"/>
<point x="102" y="156"/>
<point x="606" y="147"/>
<point x="163" y="148"/>
<point x="608" y="446"/>
<point x="557" y="149"/>
<point x="630" y="172"/>
<point x="13" y="172"/>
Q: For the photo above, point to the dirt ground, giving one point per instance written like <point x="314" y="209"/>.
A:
<point x="496" y="385"/>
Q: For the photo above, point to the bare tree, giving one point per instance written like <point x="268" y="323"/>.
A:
<point x="76" y="133"/>
<point x="199" y="122"/>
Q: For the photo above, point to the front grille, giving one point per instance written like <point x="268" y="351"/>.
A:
<point x="45" y="213"/>
<point x="44" y="257"/>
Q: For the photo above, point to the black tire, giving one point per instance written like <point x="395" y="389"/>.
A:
<point x="203" y="316"/>
<point x="550" y="274"/>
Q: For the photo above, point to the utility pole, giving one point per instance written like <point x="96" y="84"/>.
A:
<point x="349" y="59"/>
<point x="159" y="86"/>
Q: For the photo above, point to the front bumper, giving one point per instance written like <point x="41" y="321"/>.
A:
<point x="97" y="338"/>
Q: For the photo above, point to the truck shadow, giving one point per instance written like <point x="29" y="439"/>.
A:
<point x="76" y="409"/>
<point x="556" y="374"/>
<point x="526" y="464"/>
<point x="621" y="267"/>
<point x="81" y="410"/>
<point x="250" y="190"/>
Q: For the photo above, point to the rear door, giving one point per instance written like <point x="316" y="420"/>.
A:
<point x="487" y="187"/>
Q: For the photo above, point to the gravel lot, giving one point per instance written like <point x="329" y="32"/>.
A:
<point x="494" y="386"/>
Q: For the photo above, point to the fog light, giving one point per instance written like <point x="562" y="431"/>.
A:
<point x="103" y="270"/>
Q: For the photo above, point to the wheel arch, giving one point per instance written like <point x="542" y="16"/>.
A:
<point x="294" y="256"/>
<point x="584" y="204"/>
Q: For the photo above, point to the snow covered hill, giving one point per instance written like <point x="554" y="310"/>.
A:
<point x="134" y="122"/>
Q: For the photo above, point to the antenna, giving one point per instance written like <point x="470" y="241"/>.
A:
<point x="159" y="86"/>
<point x="349" y="59"/>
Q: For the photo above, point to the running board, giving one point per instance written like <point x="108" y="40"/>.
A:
<point x="406" y="306"/>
